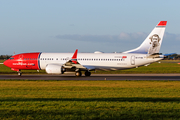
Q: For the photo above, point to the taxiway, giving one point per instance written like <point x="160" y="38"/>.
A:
<point x="175" y="77"/>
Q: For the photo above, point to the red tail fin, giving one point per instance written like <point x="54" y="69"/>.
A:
<point x="162" y="23"/>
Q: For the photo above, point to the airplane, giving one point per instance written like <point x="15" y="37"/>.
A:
<point x="60" y="63"/>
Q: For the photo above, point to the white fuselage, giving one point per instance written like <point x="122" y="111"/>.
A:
<point x="104" y="61"/>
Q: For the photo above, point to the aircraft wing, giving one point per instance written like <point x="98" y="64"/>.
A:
<point x="74" y="65"/>
<point x="89" y="68"/>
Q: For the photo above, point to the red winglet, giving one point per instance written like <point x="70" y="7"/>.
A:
<point x="75" y="54"/>
<point x="162" y="23"/>
<point x="74" y="58"/>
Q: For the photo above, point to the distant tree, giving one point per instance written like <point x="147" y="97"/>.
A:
<point x="5" y="56"/>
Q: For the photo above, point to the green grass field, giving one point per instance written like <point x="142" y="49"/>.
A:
<point x="167" y="66"/>
<point x="48" y="100"/>
<point x="29" y="100"/>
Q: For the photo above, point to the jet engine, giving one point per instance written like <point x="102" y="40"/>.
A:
<point x="54" y="69"/>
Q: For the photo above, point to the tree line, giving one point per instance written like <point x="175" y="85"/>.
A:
<point x="172" y="57"/>
<point x="2" y="57"/>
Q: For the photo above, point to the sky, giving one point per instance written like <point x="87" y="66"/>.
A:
<point x="86" y="25"/>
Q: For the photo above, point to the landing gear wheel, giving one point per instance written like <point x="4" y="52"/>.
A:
<point x="19" y="73"/>
<point x="87" y="73"/>
<point x="78" y="73"/>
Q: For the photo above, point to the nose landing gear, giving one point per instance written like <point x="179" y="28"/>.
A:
<point x="19" y="73"/>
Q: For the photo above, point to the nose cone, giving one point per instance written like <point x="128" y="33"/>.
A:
<point x="7" y="63"/>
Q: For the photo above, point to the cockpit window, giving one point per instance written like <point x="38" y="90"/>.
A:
<point x="11" y="58"/>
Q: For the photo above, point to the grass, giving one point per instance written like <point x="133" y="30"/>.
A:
<point x="89" y="100"/>
<point x="86" y="100"/>
<point x="167" y="66"/>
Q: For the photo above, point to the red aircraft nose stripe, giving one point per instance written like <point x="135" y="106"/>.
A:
<point x="24" y="61"/>
<point x="5" y="63"/>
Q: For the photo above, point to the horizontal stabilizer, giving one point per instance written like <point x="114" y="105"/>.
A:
<point x="169" y="54"/>
<point x="156" y="56"/>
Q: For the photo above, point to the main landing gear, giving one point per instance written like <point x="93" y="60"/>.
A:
<point x="79" y="73"/>
<point x="87" y="73"/>
<point x="19" y="73"/>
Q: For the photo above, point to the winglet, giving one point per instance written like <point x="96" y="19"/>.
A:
<point x="162" y="23"/>
<point x="75" y="54"/>
<point x="74" y="58"/>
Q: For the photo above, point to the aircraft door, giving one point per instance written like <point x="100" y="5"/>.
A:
<point x="132" y="60"/>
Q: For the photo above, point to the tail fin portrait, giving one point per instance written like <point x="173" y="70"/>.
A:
<point x="152" y="43"/>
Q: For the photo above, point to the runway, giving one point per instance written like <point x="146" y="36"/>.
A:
<point x="175" y="77"/>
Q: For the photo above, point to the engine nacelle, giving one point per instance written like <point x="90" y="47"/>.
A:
<point x="54" y="69"/>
